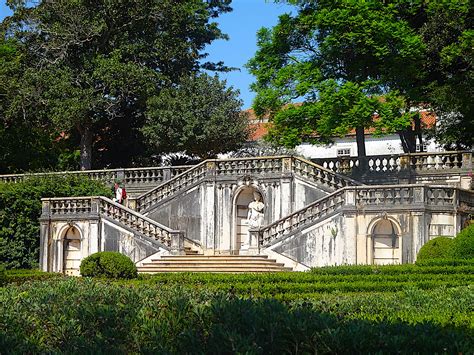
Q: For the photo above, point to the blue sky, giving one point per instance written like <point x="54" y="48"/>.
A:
<point x="241" y="25"/>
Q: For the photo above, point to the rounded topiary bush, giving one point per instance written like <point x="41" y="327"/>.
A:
<point x="463" y="244"/>
<point x="108" y="264"/>
<point x="437" y="248"/>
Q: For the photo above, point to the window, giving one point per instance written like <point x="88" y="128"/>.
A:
<point x="422" y="147"/>
<point x="343" y="152"/>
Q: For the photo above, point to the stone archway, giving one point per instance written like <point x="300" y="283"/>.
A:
<point x="241" y="204"/>
<point x="386" y="248"/>
<point x="72" y="251"/>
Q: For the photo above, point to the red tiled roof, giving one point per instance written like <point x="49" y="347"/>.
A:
<point x="259" y="128"/>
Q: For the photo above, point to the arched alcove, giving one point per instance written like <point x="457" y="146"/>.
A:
<point x="71" y="251"/>
<point x="385" y="243"/>
<point x="241" y="207"/>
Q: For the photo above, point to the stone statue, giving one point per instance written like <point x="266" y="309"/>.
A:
<point x="255" y="214"/>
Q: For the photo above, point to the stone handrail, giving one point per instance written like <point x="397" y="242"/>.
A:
<point x="276" y="165"/>
<point x="319" y="174"/>
<point x="315" y="211"/>
<point x="83" y="207"/>
<point x="129" y="176"/>
<point x="363" y="197"/>
<point x="168" y="188"/>
<point x="425" y="162"/>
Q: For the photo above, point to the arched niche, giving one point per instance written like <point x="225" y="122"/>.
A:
<point x="242" y="199"/>
<point x="386" y="242"/>
<point x="72" y="254"/>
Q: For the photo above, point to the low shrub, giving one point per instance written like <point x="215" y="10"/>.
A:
<point x="463" y="244"/>
<point x="108" y="264"/>
<point x="437" y="248"/>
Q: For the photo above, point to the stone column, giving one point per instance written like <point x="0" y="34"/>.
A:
<point x="44" y="245"/>
<point x="418" y="232"/>
<point x="208" y="213"/>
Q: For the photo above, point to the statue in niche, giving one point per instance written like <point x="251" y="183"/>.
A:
<point x="255" y="214"/>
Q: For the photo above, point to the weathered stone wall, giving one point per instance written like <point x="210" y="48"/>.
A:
<point x="183" y="212"/>
<point x="323" y="244"/>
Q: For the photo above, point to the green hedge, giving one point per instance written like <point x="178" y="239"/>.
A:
<point x="20" y="208"/>
<point x="437" y="248"/>
<point x="78" y="315"/>
<point x="108" y="264"/>
<point x="19" y="276"/>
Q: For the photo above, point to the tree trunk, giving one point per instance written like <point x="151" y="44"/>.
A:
<point x="361" y="154"/>
<point x="86" y="147"/>
<point x="408" y="139"/>
<point x="360" y="137"/>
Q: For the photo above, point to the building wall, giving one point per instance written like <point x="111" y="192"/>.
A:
<point x="384" y="145"/>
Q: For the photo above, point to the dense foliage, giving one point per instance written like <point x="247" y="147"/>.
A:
<point x="108" y="264"/>
<point x="201" y="117"/>
<point x="212" y="313"/>
<point x="437" y="248"/>
<point x="3" y="277"/>
<point x="356" y="65"/>
<point x="87" y="68"/>
<point x="20" y="209"/>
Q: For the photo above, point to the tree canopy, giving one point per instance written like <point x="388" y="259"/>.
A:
<point x="90" y="67"/>
<point x="200" y="115"/>
<point x="355" y="65"/>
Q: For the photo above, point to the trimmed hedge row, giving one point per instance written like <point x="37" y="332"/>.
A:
<point x="86" y="316"/>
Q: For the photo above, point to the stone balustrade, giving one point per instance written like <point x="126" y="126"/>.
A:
<point x="423" y="162"/>
<point x="321" y="175"/>
<point x="249" y="166"/>
<point x="68" y="206"/>
<point x="169" y="188"/>
<point x="420" y="163"/>
<point x="376" y="198"/>
<point x="129" y="176"/>
<point x="312" y="213"/>
<point x="101" y="207"/>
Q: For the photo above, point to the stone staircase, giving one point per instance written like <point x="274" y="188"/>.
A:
<point x="212" y="263"/>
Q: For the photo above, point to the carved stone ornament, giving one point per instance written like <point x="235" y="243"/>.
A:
<point x="383" y="215"/>
<point x="246" y="180"/>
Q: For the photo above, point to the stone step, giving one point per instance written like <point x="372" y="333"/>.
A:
<point x="209" y="263"/>
<point x="209" y="269"/>
<point x="213" y="263"/>
<point x="217" y="258"/>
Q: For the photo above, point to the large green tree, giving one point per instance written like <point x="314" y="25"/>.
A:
<point x="353" y="65"/>
<point x="200" y="116"/>
<point x="92" y="65"/>
<point x="26" y="141"/>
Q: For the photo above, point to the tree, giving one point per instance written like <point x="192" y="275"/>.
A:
<point x="342" y="60"/>
<point x="92" y="65"/>
<point x="26" y="141"/>
<point x="448" y="32"/>
<point x="199" y="116"/>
